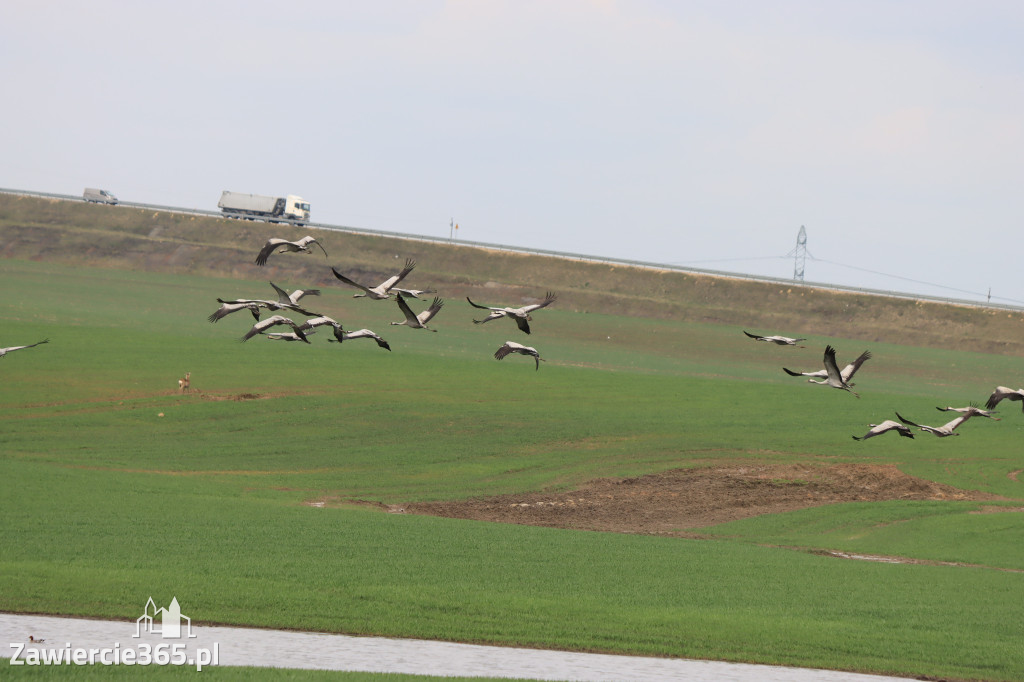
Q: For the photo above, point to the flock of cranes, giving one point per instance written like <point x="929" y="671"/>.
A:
<point x="285" y="301"/>
<point x="286" y="306"/>
<point x="831" y="375"/>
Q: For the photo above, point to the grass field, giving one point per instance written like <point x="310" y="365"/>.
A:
<point x="116" y="488"/>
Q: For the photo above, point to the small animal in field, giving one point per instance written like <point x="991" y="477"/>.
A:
<point x="513" y="347"/>
<point x="383" y="290"/>
<point x="777" y="340"/>
<point x="418" y="321"/>
<point x="940" y="431"/>
<point x="887" y="425"/>
<point x="846" y="372"/>
<point x="1003" y="393"/>
<point x="276" y="245"/>
<point x="521" y="315"/>
<point x="5" y="351"/>
<point x="184" y="383"/>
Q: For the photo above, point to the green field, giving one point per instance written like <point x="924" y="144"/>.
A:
<point x="116" y="488"/>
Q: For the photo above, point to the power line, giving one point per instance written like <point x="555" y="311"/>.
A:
<point x="726" y="260"/>
<point x="854" y="267"/>
<point x="915" y="281"/>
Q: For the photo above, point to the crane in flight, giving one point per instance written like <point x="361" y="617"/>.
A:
<point x="1003" y="393"/>
<point x="383" y="290"/>
<point x="274" y="321"/>
<point x="276" y="245"/>
<point x="971" y="410"/>
<point x="11" y="349"/>
<point x="418" y="321"/>
<point x="227" y="308"/>
<point x="359" y="334"/>
<point x="513" y="347"/>
<point x="413" y="293"/>
<point x="284" y="298"/>
<point x="846" y="372"/>
<point x="288" y="336"/>
<point x="834" y="377"/>
<point x="322" y="321"/>
<point x="777" y="340"/>
<point x="887" y="425"/>
<point x="521" y="315"/>
<point x="940" y="431"/>
<point x="285" y="301"/>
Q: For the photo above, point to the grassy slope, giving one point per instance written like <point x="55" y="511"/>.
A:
<point x="338" y="422"/>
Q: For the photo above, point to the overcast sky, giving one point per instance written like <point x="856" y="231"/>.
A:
<point x="693" y="132"/>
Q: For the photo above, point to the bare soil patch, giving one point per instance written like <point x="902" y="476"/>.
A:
<point x="678" y="501"/>
<point x="233" y="396"/>
<point x="903" y="560"/>
<point x="993" y="509"/>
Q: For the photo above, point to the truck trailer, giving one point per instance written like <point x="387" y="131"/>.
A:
<point x="258" y="207"/>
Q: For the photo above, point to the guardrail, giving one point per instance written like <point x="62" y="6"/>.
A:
<point x="555" y="254"/>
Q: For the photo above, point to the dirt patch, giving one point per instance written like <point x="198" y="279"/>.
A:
<point x="904" y="560"/>
<point x="678" y="501"/>
<point x="234" y="396"/>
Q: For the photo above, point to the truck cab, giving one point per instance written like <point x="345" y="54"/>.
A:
<point x="99" y="196"/>
<point x="296" y="208"/>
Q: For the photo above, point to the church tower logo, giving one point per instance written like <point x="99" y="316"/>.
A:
<point x="168" y="623"/>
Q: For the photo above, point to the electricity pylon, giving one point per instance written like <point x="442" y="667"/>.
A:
<point x="799" y="254"/>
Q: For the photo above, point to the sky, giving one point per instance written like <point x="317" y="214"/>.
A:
<point x="700" y="133"/>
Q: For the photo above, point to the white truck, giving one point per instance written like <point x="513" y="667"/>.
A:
<point x="258" y="207"/>
<point x="99" y="196"/>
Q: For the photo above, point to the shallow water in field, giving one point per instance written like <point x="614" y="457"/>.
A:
<point x="285" y="649"/>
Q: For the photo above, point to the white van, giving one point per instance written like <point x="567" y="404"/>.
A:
<point x="99" y="196"/>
